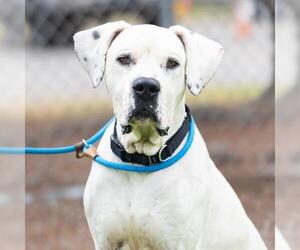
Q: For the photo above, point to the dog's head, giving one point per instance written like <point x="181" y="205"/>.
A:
<point x="146" y="70"/>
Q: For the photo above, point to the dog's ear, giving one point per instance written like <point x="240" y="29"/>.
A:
<point x="202" y="58"/>
<point x="91" y="47"/>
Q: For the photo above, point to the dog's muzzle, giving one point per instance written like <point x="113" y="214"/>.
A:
<point x="145" y="93"/>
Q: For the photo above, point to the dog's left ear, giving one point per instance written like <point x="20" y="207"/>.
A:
<point x="91" y="47"/>
<point x="202" y="58"/>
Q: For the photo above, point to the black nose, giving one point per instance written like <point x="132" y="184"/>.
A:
<point x="146" y="88"/>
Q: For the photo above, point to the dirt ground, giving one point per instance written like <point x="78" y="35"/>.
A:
<point x="243" y="151"/>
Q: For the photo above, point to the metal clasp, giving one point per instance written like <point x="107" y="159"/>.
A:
<point x="90" y="150"/>
<point x="79" y="149"/>
<point x="160" y="153"/>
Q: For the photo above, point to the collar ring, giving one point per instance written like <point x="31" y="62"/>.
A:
<point x="160" y="154"/>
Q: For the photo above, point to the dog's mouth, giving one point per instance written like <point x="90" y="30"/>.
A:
<point x="144" y="116"/>
<point x="143" y="113"/>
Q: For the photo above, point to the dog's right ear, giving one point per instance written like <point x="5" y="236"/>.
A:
<point x="91" y="47"/>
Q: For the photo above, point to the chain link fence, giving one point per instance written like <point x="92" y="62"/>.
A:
<point x="54" y="76"/>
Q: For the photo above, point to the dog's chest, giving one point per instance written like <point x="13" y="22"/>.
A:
<point x="147" y="210"/>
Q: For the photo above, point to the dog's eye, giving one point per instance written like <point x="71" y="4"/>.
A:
<point x="172" y="64"/>
<point x="124" y="59"/>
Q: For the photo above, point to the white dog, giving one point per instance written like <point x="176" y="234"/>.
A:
<point x="189" y="205"/>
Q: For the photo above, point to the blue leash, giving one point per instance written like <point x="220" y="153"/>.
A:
<point x="54" y="150"/>
<point x="114" y="165"/>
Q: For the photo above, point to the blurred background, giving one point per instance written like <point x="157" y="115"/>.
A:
<point x="12" y="124"/>
<point x="235" y="113"/>
<point x="287" y="122"/>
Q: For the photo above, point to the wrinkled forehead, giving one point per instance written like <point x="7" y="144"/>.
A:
<point x="148" y="39"/>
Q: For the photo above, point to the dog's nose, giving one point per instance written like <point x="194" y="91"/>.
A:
<point x="145" y="87"/>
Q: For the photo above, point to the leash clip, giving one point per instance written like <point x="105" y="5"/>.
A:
<point x="90" y="151"/>
<point x="79" y="149"/>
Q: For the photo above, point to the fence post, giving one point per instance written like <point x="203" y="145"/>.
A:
<point x="166" y="16"/>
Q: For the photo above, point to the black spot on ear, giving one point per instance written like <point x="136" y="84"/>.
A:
<point x="85" y="59"/>
<point x="197" y="85"/>
<point x="96" y="34"/>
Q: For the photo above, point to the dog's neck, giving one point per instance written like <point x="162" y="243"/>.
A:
<point x="145" y="139"/>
